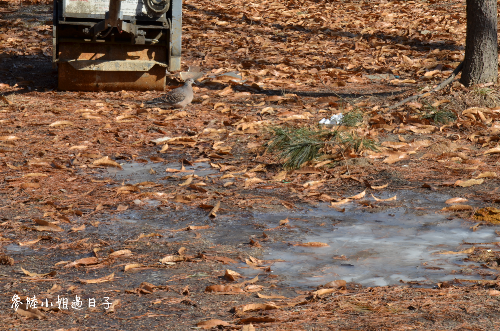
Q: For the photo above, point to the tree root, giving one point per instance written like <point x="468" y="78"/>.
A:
<point x="437" y="88"/>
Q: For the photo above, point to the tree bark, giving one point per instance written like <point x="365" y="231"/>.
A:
<point x="481" y="53"/>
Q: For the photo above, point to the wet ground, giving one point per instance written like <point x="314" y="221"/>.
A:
<point x="408" y="241"/>
<point x="399" y="241"/>
<point x="133" y="173"/>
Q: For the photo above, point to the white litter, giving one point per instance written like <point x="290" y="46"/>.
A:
<point x="334" y="120"/>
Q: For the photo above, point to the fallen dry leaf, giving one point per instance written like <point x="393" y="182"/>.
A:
<point x="248" y="327"/>
<point x="379" y="187"/>
<point x="188" y="181"/>
<point x="495" y="150"/>
<point x="78" y="228"/>
<point x="132" y="266"/>
<point x="255" y="307"/>
<point x="223" y="259"/>
<point x="106" y="162"/>
<point x="457" y="208"/>
<point x="172" y="258"/>
<point x="465" y="251"/>
<point x="84" y="261"/>
<point x="111" y="308"/>
<point x="312" y="244"/>
<point x="358" y="196"/>
<point x="323" y="291"/>
<point x="35" y="174"/>
<point x="252" y="181"/>
<point x="205" y="325"/>
<point x="31" y="242"/>
<point x="395" y="157"/>
<point x="341" y="202"/>
<point x="213" y="212"/>
<point x="487" y="174"/>
<point x="280" y="176"/>
<point x="455" y="200"/>
<point x="262" y="296"/>
<point x="61" y="123"/>
<point x="123" y="252"/>
<point x="313" y="184"/>
<point x="340" y="283"/>
<point x="423" y="129"/>
<point x="231" y="275"/>
<point x="8" y="138"/>
<point x="47" y="226"/>
<point x="223" y="288"/>
<point x="127" y="189"/>
<point x="33" y="274"/>
<point x="121" y="207"/>
<point x="30" y="312"/>
<point x="196" y="227"/>
<point x="98" y="280"/>
<point x="150" y="235"/>
<point x="388" y="199"/>
<point x="30" y="185"/>
<point x="470" y="182"/>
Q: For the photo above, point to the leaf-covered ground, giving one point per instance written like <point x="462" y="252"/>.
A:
<point x="63" y="196"/>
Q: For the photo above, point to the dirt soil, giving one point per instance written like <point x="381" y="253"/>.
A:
<point x="72" y="212"/>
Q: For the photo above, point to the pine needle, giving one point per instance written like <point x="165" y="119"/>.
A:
<point x="439" y="116"/>
<point x="296" y="146"/>
<point x="352" y="118"/>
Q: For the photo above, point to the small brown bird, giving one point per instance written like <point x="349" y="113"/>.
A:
<point x="179" y="97"/>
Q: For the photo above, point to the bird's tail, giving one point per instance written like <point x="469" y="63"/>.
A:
<point x="155" y="101"/>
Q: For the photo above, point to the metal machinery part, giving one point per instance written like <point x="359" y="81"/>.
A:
<point x="114" y="45"/>
<point x="157" y="7"/>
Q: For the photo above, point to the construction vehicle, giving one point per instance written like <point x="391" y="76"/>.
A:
<point x="114" y="45"/>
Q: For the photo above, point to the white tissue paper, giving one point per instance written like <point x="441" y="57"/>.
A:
<point x="334" y="120"/>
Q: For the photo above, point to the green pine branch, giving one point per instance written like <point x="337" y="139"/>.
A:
<point x="294" y="146"/>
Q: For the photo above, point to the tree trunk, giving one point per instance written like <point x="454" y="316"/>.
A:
<point x="481" y="54"/>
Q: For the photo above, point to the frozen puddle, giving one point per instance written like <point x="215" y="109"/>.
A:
<point x="375" y="249"/>
<point x="397" y="241"/>
<point x="381" y="250"/>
